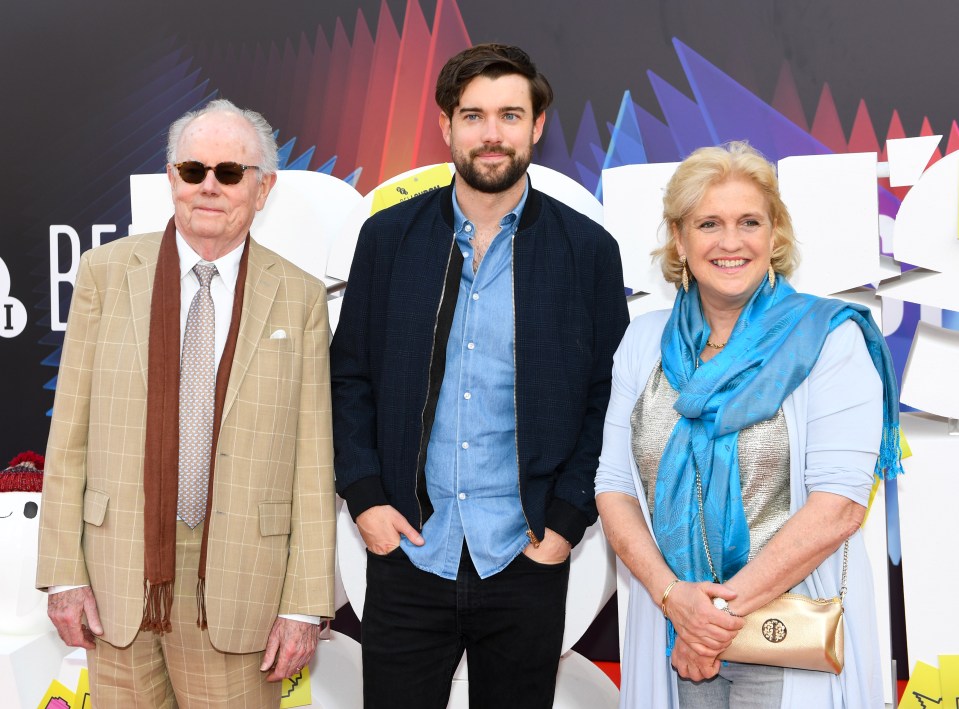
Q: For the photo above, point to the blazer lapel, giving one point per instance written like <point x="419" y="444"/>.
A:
<point x="259" y="294"/>
<point x="140" y="285"/>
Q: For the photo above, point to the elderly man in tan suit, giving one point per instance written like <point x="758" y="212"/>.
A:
<point x="187" y="525"/>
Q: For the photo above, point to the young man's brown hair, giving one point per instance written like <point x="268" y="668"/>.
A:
<point x="492" y="61"/>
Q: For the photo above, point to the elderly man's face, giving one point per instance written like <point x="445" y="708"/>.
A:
<point x="212" y="217"/>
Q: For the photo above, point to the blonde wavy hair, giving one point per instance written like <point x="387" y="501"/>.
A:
<point x="706" y="167"/>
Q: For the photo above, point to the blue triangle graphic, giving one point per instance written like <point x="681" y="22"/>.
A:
<point x="327" y="167"/>
<point x="735" y="113"/>
<point x="658" y="139"/>
<point x="284" y="152"/>
<point x="302" y="162"/>
<point x="683" y="117"/>
<point x="353" y="177"/>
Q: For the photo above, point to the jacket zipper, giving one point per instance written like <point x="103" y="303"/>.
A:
<point x="519" y="478"/>
<point x="422" y="452"/>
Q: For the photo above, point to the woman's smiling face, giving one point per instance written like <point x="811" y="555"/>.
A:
<point x="727" y="240"/>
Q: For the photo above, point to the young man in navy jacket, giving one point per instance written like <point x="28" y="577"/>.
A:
<point x="471" y="373"/>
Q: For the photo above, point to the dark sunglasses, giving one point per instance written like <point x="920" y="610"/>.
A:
<point x="226" y="173"/>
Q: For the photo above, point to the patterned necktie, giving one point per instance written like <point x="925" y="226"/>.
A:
<point x="197" y="395"/>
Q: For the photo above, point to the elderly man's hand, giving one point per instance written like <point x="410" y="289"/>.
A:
<point x="66" y="610"/>
<point x="289" y="648"/>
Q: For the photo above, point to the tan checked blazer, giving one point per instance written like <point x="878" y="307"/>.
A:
<point x="272" y="524"/>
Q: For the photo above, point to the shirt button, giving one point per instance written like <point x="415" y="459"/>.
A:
<point x="468" y="228"/>
<point x="471" y="346"/>
<point x="475" y="296"/>
<point x="462" y="495"/>
<point x="465" y="254"/>
<point x="467" y="396"/>
<point x="465" y="445"/>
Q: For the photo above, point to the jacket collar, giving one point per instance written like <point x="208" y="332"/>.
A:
<point x="534" y="204"/>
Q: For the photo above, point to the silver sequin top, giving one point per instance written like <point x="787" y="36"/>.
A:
<point x="763" y="458"/>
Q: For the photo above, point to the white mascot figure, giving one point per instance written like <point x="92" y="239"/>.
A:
<point x="30" y="651"/>
<point x="23" y="609"/>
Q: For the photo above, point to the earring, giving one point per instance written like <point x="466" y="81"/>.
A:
<point x="682" y="260"/>
<point x="772" y="276"/>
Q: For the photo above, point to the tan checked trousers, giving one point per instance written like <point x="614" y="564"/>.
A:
<point x="179" y="669"/>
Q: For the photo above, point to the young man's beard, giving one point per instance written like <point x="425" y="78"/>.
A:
<point x="495" y="181"/>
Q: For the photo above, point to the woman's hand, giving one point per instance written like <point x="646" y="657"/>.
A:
<point x="690" y="664"/>
<point x="707" y="630"/>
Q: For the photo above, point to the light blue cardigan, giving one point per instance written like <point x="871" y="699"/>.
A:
<point x="834" y="420"/>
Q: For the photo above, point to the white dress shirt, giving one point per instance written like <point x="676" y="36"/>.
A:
<point x="222" y="288"/>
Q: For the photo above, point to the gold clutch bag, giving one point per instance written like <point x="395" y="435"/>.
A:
<point x="792" y="630"/>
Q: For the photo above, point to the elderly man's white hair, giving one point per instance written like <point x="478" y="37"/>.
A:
<point x="269" y="159"/>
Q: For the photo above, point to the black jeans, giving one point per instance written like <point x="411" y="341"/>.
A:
<point x="416" y="626"/>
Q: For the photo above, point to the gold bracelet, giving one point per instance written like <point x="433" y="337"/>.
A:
<point x="666" y="595"/>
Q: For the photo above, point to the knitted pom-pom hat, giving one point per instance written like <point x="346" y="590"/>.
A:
<point x="25" y="474"/>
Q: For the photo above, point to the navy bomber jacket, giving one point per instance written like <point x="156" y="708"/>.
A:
<point x="388" y="357"/>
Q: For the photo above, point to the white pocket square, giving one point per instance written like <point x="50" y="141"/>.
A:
<point x="278" y="335"/>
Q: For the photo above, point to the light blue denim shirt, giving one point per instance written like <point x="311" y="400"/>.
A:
<point x="471" y="469"/>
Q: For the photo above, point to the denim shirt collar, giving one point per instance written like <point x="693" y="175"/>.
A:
<point x="510" y="218"/>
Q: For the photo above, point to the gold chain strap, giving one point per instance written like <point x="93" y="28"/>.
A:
<point x="702" y="524"/>
<point x="845" y="564"/>
<point x="709" y="557"/>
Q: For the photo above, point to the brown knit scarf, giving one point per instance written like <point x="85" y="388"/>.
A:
<point x="161" y="454"/>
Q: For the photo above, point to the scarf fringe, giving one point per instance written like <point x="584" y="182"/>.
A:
<point x="157" y="604"/>
<point x="201" y="604"/>
<point x="889" y="465"/>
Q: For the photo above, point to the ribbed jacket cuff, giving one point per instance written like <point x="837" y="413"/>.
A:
<point x="566" y="520"/>
<point x="363" y="494"/>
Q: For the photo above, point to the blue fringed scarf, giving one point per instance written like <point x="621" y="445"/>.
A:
<point x="772" y="349"/>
